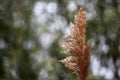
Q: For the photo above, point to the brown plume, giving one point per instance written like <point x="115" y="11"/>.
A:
<point x="75" y="44"/>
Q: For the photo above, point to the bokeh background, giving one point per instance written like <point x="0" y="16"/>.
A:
<point x="31" y="30"/>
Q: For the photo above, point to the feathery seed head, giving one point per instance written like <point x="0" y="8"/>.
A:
<point x="80" y="58"/>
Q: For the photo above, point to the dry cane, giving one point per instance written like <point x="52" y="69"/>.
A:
<point x="77" y="47"/>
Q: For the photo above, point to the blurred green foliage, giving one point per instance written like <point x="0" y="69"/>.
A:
<point x="22" y="56"/>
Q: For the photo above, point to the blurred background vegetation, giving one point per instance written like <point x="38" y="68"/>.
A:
<point x="30" y="32"/>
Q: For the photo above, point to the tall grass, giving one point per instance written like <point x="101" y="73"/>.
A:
<point x="77" y="47"/>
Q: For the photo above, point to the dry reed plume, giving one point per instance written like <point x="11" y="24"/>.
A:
<point x="77" y="47"/>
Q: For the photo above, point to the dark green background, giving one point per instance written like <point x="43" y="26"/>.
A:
<point x="18" y="29"/>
